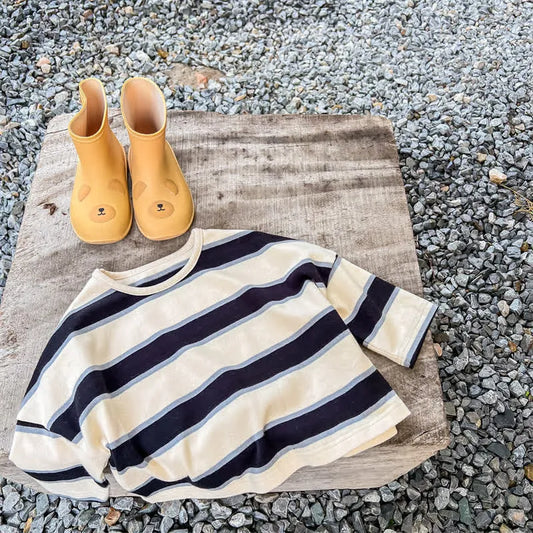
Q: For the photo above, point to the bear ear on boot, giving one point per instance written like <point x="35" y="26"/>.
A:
<point x="162" y="202"/>
<point x="100" y="208"/>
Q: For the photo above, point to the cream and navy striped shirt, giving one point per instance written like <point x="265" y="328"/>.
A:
<point x="217" y="370"/>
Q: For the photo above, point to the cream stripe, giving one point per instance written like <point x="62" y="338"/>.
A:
<point x="39" y="453"/>
<point x="82" y="489"/>
<point x="320" y="452"/>
<point x="346" y="287"/>
<point x="400" y="326"/>
<point x="108" y="341"/>
<point x="114" y="416"/>
<point x="195" y="454"/>
<point x="94" y="290"/>
<point x="386" y="435"/>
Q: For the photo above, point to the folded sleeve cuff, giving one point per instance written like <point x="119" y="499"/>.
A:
<point x="415" y="344"/>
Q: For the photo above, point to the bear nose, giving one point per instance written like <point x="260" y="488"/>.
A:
<point x="160" y="206"/>
<point x="101" y="209"/>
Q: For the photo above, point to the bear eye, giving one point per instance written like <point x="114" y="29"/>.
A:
<point x="171" y="186"/>
<point x="138" y="189"/>
<point x="116" y="185"/>
<point x="83" y="192"/>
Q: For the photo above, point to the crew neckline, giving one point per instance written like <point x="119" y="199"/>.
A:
<point x="193" y="246"/>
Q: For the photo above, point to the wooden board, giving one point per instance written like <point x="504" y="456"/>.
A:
<point x="332" y="180"/>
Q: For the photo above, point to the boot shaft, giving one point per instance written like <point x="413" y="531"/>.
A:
<point x="95" y="143"/>
<point x="144" y="113"/>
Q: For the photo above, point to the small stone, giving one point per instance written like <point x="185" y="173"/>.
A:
<point x="462" y="279"/>
<point x="483" y="520"/>
<point x="64" y="507"/>
<point x="481" y="157"/>
<point x="220" y="511"/>
<point x="237" y="520"/>
<point x="419" y="208"/>
<point x="517" y="517"/>
<point x="112" y="516"/>
<point x="502" y="480"/>
<point x="386" y="494"/>
<point x="443" y="498"/>
<point x="505" y="419"/>
<point x="516" y="389"/>
<point x="499" y="449"/>
<point x="516" y="306"/>
<point x="464" y="512"/>
<point x="134" y="526"/>
<point x="166" y="524"/>
<point x="489" y="398"/>
<point x="10" y="501"/>
<point x="497" y="176"/>
<point x="317" y="512"/>
<point x="123" y="504"/>
<point x="372" y="497"/>
<point x="170" y="508"/>
<point x="280" y="507"/>
<point x="503" y="306"/>
<point x="484" y="298"/>
<point x="83" y="518"/>
<point x="358" y="524"/>
<point x="42" y="504"/>
<point x="528" y="470"/>
<point x="413" y="494"/>
<point x="8" y="529"/>
<point x="431" y="97"/>
<point x="113" y="49"/>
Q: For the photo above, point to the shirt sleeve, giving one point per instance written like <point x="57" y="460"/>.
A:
<point x="382" y="317"/>
<point x="59" y="465"/>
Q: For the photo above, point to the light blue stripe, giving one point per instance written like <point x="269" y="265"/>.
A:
<point x="135" y="306"/>
<point x="234" y="396"/>
<point x="173" y="327"/>
<point x="183" y="261"/>
<point x="422" y="330"/>
<point x="156" y="368"/>
<point x="108" y="292"/>
<point x="360" y="300"/>
<point x="379" y="323"/>
<point x="306" y="442"/>
<point x="334" y="267"/>
<point x="214" y="376"/>
<point x="285" y="418"/>
<point x="58" y="470"/>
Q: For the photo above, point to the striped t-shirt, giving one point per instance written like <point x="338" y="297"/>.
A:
<point x="219" y="369"/>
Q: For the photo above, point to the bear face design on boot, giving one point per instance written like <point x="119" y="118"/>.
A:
<point x="100" y="208"/>
<point x="162" y="201"/>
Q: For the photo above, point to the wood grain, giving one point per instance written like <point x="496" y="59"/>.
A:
<point x="332" y="180"/>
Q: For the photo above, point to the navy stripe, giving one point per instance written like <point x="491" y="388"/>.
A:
<point x="191" y="412"/>
<point x="112" y="378"/>
<point x="371" y="309"/>
<point x="24" y="423"/>
<point x="259" y="453"/>
<point x="117" y="301"/>
<point x="69" y="474"/>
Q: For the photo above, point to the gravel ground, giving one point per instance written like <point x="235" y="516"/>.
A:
<point x="455" y="79"/>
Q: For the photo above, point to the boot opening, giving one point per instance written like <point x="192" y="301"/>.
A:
<point x="143" y="106"/>
<point x="90" y="119"/>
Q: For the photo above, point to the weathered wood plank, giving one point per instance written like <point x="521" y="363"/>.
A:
<point x="333" y="180"/>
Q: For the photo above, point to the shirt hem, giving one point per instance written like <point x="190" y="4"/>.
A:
<point x="330" y="451"/>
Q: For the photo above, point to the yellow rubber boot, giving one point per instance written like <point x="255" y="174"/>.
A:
<point x="162" y="201"/>
<point x="100" y="209"/>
